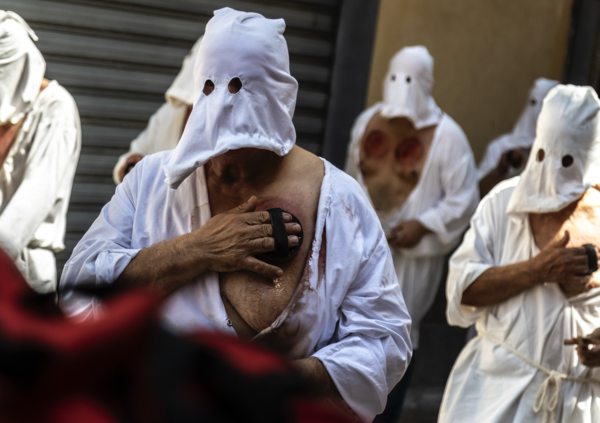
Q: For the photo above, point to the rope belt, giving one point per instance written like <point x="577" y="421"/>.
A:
<point x="544" y="400"/>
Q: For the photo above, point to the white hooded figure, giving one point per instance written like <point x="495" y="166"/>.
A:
<point x="40" y="140"/>
<point x="522" y="135"/>
<point x="444" y="196"/>
<point x="166" y="125"/>
<point x="517" y="368"/>
<point x="346" y="310"/>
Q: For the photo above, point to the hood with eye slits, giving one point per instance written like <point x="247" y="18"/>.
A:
<point x="407" y="88"/>
<point x="252" y="48"/>
<point x="565" y="157"/>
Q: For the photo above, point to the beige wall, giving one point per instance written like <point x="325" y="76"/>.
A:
<point x="487" y="54"/>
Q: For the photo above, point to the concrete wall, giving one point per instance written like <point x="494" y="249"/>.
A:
<point x="487" y="54"/>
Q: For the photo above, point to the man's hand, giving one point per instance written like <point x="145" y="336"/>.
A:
<point x="229" y="241"/>
<point x="556" y="263"/>
<point x="407" y="234"/>
<point x="226" y="243"/>
<point x="129" y="164"/>
<point x="590" y="357"/>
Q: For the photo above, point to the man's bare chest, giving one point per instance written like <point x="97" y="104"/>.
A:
<point x="392" y="158"/>
<point x="583" y="226"/>
<point x="252" y="301"/>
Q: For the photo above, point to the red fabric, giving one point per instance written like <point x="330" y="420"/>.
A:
<point x="55" y="370"/>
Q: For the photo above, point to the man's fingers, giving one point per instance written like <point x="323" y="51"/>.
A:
<point x="246" y="207"/>
<point x="254" y="265"/>
<point x="266" y="245"/>
<point x="561" y="243"/>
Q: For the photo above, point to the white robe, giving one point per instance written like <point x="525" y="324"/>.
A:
<point x="35" y="185"/>
<point x="443" y="201"/>
<point x="347" y="310"/>
<point x="489" y="383"/>
<point x="162" y="133"/>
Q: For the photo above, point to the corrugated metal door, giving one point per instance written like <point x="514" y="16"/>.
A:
<point x="118" y="57"/>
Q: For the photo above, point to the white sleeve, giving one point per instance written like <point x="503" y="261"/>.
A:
<point x="104" y="251"/>
<point x="473" y="257"/>
<point x="371" y="347"/>
<point x="449" y="217"/>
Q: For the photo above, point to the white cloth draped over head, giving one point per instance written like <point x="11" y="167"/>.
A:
<point x="181" y="91"/>
<point x="252" y="48"/>
<point x="523" y="133"/>
<point x="166" y="124"/>
<point x="407" y="88"/>
<point x="564" y="158"/>
<point x="22" y="68"/>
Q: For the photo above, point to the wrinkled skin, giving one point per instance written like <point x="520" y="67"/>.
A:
<point x="567" y="263"/>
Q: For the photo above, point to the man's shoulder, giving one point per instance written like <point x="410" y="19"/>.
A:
<point x="497" y="199"/>
<point x="453" y="133"/>
<point x="149" y="171"/>
<point x="349" y="196"/>
<point x="56" y="95"/>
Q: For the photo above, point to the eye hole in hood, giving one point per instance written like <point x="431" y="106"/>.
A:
<point x="209" y="87"/>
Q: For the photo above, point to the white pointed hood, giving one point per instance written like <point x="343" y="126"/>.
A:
<point x="252" y="48"/>
<point x="523" y="133"/>
<point x="407" y="88"/>
<point x="565" y="157"/>
<point x="181" y="91"/>
<point x="22" y="67"/>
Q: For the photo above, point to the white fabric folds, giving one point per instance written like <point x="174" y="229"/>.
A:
<point x="564" y="158"/>
<point x="252" y="48"/>
<point x="22" y="68"/>
<point x="165" y="126"/>
<point x="181" y="91"/>
<point x="407" y="88"/>
<point x="523" y="133"/>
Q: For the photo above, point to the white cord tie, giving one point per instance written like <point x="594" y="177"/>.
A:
<point x="543" y="399"/>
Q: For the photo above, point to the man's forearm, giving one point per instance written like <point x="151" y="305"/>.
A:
<point x="164" y="267"/>
<point x="498" y="284"/>
<point x="313" y="369"/>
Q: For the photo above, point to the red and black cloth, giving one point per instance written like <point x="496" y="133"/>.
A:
<point x="125" y="368"/>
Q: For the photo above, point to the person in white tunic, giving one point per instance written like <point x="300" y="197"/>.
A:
<point x="175" y="225"/>
<point x="40" y="140"/>
<point x="523" y="276"/>
<point x="417" y="168"/>
<point x="167" y="123"/>
<point x="507" y="155"/>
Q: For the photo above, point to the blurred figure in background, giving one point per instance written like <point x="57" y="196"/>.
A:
<point x="167" y="123"/>
<point x="40" y="140"/>
<point x="525" y="274"/>
<point x="417" y="167"/>
<point x="507" y="155"/>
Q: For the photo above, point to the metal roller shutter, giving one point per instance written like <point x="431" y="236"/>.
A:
<point x="118" y="57"/>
